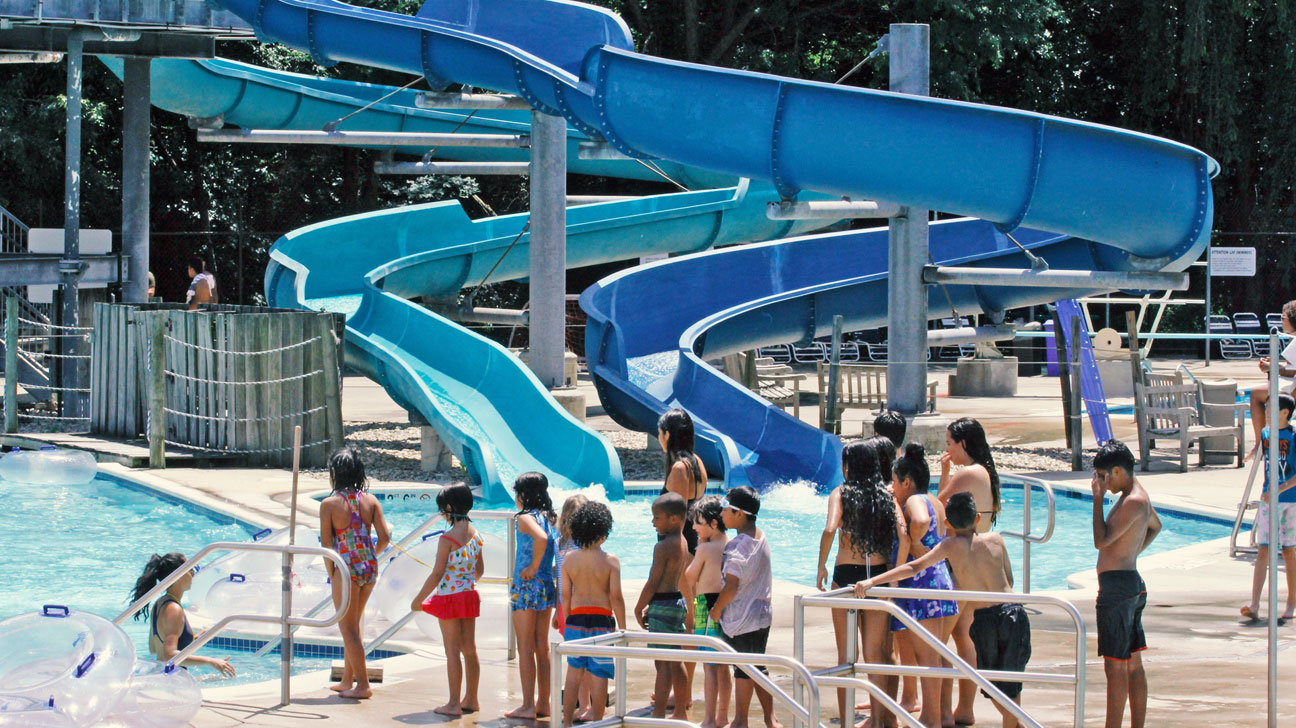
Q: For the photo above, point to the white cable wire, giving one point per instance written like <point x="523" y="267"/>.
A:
<point x="241" y="353"/>
<point x="224" y="382"/>
<point x="245" y="419"/>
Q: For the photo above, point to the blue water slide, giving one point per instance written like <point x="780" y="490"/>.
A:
<point x="1113" y="200"/>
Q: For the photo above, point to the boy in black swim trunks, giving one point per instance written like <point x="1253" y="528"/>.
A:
<point x="1126" y="531"/>
<point x="661" y="606"/>
<point x="1000" y="631"/>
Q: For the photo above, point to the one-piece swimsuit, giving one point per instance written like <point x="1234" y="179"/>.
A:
<point x="936" y="576"/>
<point x="354" y="543"/>
<point x="690" y="533"/>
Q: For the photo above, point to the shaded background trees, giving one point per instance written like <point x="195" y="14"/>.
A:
<point x="1214" y="74"/>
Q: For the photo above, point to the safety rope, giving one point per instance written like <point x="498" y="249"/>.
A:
<point x="427" y="156"/>
<point x="29" y="322"/>
<point x="50" y="417"/>
<point x="191" y="415"/>
<point x="231" y="352"/>
<point x="253" y="383"/>
<point x="228" y="451"/>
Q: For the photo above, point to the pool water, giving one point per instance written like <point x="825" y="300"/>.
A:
<point x="84" y="546"/>
<point x="792" y="517"/>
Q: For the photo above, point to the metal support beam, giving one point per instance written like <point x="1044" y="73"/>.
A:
<point x="26" y="269"/>
<point x="33" y="57"/>
<point x="449" y="100"/>
<point x="830" y="210"/>
<point x="600" y="150"/>
<point x="1116" y="280"/>
<point x="135" y="177"/>
<point x="363" y="138"/>
<point x="481" y="315"/>
<point x="548" y="280"/>
<point x="971" y="335"/>
<point x="122" y="42"/>
<point x="475" y="169"/>
<point x="75" y="404"/>
<point x="907" y="247"/>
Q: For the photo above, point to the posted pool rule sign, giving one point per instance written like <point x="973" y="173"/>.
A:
<point x="1235" y="262"/>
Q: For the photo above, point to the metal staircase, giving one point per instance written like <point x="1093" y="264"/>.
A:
<point x="32" y="373"/>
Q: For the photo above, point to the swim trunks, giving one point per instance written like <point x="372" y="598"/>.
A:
<point x="1002" y="637"/>
<point x="666" y="614"/>
<point x="1286" y="525"/>
<point x="1122" y="595"/>
<point x="590" y="622"/>
<point x="751" y="643"/>
<point x="849" y="574"/>
<point x="702" y="622"/>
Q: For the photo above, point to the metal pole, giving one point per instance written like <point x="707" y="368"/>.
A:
<point x="798" y="643"/>
<point x="512" y="634"/>
<point x="907" y="246"/>
<point x="852" y="638"/>
<point x="11" y="365"/>
<point x="1274" y="358"/>
<point x="548" y="247"/>
<point x="286" y="637"/>
<point x="1026" y="529"/>
<point x="1206" y="318"/>
<point x="834" y="371"/>
<point x="70" y="266"/>
<point x="135" y="178"/>
<point x="156" y="390"/>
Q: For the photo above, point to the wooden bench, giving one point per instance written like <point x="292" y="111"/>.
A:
<point x="772" y="382"/>
<point x="1172" y="410"/>
<point x="860" y="386"/>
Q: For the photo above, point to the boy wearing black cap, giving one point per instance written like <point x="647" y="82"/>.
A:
<point x="743" y="607"/>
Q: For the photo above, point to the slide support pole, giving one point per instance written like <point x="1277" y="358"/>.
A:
<point x="548" y="247"/>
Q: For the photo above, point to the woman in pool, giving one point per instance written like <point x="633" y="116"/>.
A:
<point x="346" y="518"/>
<point x="170" y="632"/>
<point x="967" y="449"/>
<point x="925" y="515"/>
<point x="685" y="473"/>
<point x="867" y="523"/>
<point x="532" y="593"/>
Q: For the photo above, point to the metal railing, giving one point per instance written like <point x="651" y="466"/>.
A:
<point x="506" y="579"/>
<point x="285" y="620"/>
<point x="841" y="599"/>
<point x="1245" y="505"/>
<point x="1027" y="537"/>
<point x="619" y="646"/>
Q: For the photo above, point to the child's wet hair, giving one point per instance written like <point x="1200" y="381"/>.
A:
<point x="860" y="461"/>
<point x="671" y="504"/>
<point x="1113" y="454"/>
<point x="570" y="506"/>
<point x="347" y="471"/>
<point x="913" y="466"/>
<point x="590" y="524"/>
<point x="1287" y="402"/>
<point x="454" y="502"/>
<point x="971" y="435"/>
<point x="708" y="511"/>
<point x="746" y="500"/>
<point x="961" y="511"/>
<point x="532" y="491"/>
<point x="159" y="567"/>
<point x="886" y="454"/>
<point x="891" y="425"/>
<point x="678" y="426"/>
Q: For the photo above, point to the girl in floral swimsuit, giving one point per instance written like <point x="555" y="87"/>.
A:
<point x="346" y="518"/>
<point x="532" y="592"/>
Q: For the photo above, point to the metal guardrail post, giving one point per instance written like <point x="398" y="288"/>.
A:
<point x="1274" y="358"/>
<point x="1026" y="534"/>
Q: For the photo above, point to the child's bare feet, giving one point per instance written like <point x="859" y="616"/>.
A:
<point x="469" y="706"/>
<point x="357" y="693"/>
<point x="542" y="710"/>
<point x="772" y="722"/>
<point x="525" y="712"/>
<point x="964" y="718"/>
<point x="341" y="687"/>
<point x="449" y="709"/>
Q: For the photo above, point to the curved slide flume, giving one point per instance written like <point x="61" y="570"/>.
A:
<point x="1145" y="201"/>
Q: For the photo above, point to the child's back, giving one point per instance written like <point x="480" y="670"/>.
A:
<point x="709" y="556"/>
<point x="980" y="562"/>
<point x="594" y="575"/>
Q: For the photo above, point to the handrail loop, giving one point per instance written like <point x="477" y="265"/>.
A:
<point x="1027" y="537"/>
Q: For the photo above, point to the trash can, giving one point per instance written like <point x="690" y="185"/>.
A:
<point x="1219" y="450"/>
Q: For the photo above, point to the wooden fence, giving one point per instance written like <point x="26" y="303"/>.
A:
<point x="224" y="379"/>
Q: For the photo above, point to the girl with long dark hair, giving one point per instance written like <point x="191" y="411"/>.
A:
<point x="169" y="630"/>
<point x="685" y="473"/>
<point x="533" y="593"/>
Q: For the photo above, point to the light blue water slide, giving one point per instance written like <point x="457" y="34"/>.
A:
<point x="1113" y="200"/>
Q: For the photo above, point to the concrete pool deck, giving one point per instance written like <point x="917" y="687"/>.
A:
<point x="1204" y="668"/>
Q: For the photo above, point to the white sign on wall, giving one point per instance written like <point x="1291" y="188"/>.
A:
<point x="1239" y="262"/>
<point x="50" y="240"/>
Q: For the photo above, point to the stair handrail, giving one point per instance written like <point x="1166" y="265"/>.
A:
<point x="13" y="232"/>
<point x="843" y="599"/>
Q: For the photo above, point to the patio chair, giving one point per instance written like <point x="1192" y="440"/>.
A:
<point x="772" y="382"/>
<point x="1229" y="348"/>
<point x="812" y="354"/>
<point x="1249" y="323"/>
<point x="778" y="353"/>
<point x="1273" y="321"/>
<point x="1172" y="410"/>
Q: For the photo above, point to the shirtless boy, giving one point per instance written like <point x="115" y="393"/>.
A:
<point x="591" y="597"/>
<point x="661" y="606"/>
<point x="1127" y="530"/>
<point x="1000" y="630"/>
<point x="703" y="581"/>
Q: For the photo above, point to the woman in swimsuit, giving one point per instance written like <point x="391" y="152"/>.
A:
<point x="685" y="473"/>
<point x="170" y="632"/>
<point x="346" y="518"/>
<point x="867" y="523"/>
<point x="925" y="515"/>
<point x="967" y="449"/>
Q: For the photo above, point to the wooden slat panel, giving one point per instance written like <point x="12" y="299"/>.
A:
<point x="275" y="393"/>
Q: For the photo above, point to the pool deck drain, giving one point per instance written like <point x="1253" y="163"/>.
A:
<point x="1204" y="668"/>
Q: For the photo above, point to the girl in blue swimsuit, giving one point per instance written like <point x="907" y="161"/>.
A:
<point x="532" y="591"/>
<point x="170" y="631"/>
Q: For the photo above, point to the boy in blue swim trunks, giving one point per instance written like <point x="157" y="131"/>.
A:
<point x="661" y="606"/>
<point x="592" y="600"/>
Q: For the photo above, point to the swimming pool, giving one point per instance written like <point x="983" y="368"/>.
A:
<point x="83" y="546"/>
<point x="792" y="517"/>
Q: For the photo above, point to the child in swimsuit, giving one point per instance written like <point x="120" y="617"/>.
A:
<point x="346" y="518"/>
<point x="567" y="545"/>
<point x="703" y="580"/>
<point x="450" y="595"/>
<point x="591" y="595"/>
<point x="532" y="593"/>
<point x="925" y="516"/>
<point x="169" y="631"/>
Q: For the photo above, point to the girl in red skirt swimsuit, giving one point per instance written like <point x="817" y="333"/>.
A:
<point x="453" y="596"/>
